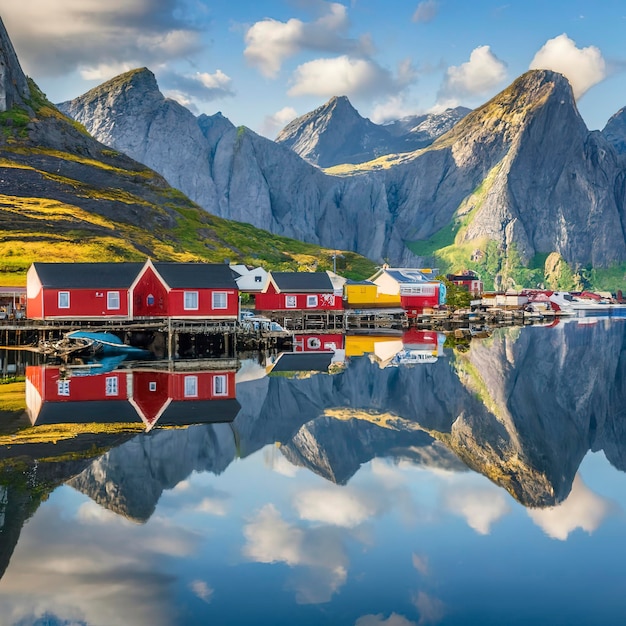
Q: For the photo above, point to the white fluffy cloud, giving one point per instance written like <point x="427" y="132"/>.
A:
<point x="320" y="552"/>
<point x="481" y="506"/>
<point x="476" y="77"/>
<point x="394" y="108"/>
<point x="340" y="507"/>
<point x="56" y="37"/>
<point x="582" y="509"/>
<point x="352" y="77"/>
<point x="270" y="42"/>
<point x="426" y="11"/>
<point x="202" y="590"/>
<point x="583" y="67"/>
<point x="271" y="125"/>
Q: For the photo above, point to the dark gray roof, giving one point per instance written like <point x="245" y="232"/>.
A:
<point x="186" y="412"/>
<point x="303" y="362"/>
<point x="197" y="275"/>
<point x="303" y="282"/>
<point x="87" y="275"/>
<point x="86" y="412"/>
<point x="359" y="282"/>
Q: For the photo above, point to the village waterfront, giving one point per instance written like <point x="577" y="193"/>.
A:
<point x="481" y="484"/>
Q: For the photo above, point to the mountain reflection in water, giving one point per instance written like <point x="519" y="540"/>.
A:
<point x="522" y="408"/>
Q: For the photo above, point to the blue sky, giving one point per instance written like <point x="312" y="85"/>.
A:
<point x="261" y="63"/>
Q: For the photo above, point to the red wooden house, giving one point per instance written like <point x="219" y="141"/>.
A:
<point x="54" y="398"/>
<point x="185" y="290"/>
<point x="303" y="291"/>
<point x="131" y="290"/>
<point x="128" y="396"/>
<point x="469" y="280"/>
<point x="79" y="290"/>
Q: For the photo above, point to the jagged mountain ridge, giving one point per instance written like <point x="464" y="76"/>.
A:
<point x="522" y="171"/>
<point x="335" y="133"/>
<point x="66" y="196"/>
<point x="245" y="176"/>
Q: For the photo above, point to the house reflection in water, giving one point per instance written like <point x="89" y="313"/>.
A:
<point x="154" y="397"/>
<point x="410" y="347"/>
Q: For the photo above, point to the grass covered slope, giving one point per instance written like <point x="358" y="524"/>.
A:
<point x="66" y="197"/>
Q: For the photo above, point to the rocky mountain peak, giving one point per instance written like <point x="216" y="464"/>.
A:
<point x="13" y="84"/>
<point x="333" y="133"/>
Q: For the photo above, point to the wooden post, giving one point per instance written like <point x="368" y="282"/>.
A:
<point x="170" y="340"/>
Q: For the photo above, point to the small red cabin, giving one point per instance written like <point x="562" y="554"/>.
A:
<point x="469" y="280"/>
<point x="79" y="290"/>
<point x="304" y="291"/>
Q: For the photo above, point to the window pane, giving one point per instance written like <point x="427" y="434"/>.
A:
<point x="64" y="299"/>
<point x="219" y="385"/>
<point x="113" y="300"/>
<point x="311" y="301"/>
<point x="111" y="388"/>
<point x="191" y="386"/>
<point x="291" y="302"/>
<point x="219" y="300"/>
<point x="191" y="300"/>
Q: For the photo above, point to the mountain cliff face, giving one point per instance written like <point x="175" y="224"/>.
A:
<point x="521" y="173"/>
<point x="335" y="133"/>
<point x="235" y="173"/>
<point x="14" y="88"/>
<point x="615" y="131"/>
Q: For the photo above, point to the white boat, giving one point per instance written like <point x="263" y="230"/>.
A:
<point x="575" y="305"/>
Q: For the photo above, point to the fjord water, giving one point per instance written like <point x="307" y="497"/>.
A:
<point x="487" y="487"/>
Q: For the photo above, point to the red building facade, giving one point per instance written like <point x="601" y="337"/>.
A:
<point x="298" y="291"/>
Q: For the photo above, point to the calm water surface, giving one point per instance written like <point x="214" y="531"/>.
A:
<point x="486" y="487"/>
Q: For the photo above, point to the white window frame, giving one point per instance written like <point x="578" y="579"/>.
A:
<point x="63" y="388"/>
<point x="220" y="385"/>
<point x="291" y="302"/>
<point x="64" y="299"/>
<point x="111" y="386"/>
<point x="216" y="300"/>
<point x="113" y="300"/>
<point x="190" y="300"/>
<point x="312" y="302"/>
<point x="191" y="386"/>
<point x="152" y="385"/>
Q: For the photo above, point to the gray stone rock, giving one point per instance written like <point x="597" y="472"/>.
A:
<point x="13" y="84"/>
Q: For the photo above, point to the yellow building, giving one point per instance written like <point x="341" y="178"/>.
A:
<point x="365" y="294"/>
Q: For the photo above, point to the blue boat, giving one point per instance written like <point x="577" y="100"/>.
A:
<point x="106" y="343"/>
